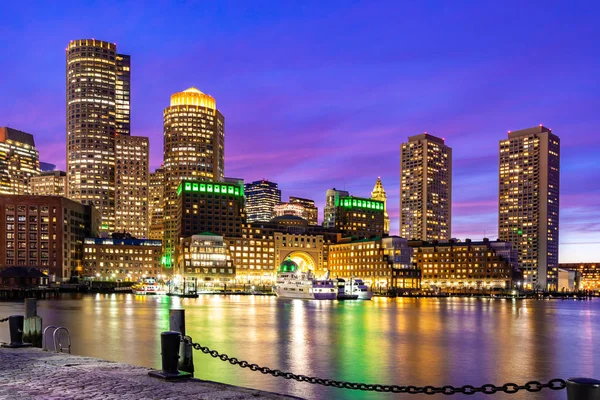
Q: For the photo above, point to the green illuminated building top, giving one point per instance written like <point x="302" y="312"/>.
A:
<point x="211" y="187"/>
<point x="359" y="202"/>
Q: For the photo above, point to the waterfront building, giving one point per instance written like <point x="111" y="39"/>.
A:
<point x="261" y="198"/>
<point x="425" y="188"/>
<point x="156" y="190"/>
<point x="98" y="134"/>
<point x="359" y="217"/>
<point x="379" y="194"/>
<point x="253" y="255"/>
<point x="52" y="183"/>
<point x="590" y="274"/>
<point x="19" y="161"/>
<point x="121" y="260"/>
<point x="203" y="258"/>
<point x="529" y="202"/>
<point x="332" y="200"/>
<point x="205" y="206"/>
<point x="382" y="263"/>
<point x="461" y="266"/>
<point x="131" y="190"/>
<point x="194" y="148"/>
<point x="45" y="232"/>
<point x="310" y="210"/>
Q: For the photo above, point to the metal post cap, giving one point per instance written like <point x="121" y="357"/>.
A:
<point x="585" y="381"/>
<point x="170" y="333"/>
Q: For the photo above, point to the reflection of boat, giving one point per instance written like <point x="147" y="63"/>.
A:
<point x="149" y="286"/>
<point x="344" y="292"/>
<point x="295" y="284"/>
<point x="357" y="287"/>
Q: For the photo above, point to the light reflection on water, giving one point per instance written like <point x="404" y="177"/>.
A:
<point x="391" y="341"/>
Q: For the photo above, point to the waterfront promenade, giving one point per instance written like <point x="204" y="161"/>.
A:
<point x="29" y="373"/>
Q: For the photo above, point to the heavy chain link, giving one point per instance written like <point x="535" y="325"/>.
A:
<point x="4" y="319"/>
<point x="531" y="386"/>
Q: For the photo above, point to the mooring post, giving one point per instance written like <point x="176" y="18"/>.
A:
<point x="32" y="325"/>
<point x="169" y="344"/>
<point x="177" y="324"/>
<point x="583" y="389"/>
<point x="15" y="326"/>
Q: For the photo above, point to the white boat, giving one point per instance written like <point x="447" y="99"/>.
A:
<point x="342" y="294"/>
<point x="295" y="284"/>
<point x="355" y="286"/>
<point x="149" y="287"/>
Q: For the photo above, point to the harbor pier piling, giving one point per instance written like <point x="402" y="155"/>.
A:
<point x="32" y="324"/>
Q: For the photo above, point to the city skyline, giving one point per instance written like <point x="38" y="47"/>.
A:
<point x="309" y="146"/>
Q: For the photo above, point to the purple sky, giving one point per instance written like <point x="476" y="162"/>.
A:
<point x="321" y="94"/>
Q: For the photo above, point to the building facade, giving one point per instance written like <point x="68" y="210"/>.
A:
<point x="359" y="217"/>
<point x="45" y="232"/>
<point x="53" y="183"/>
<point x="204" y="257"/>
<point x="156" y="191"/>
<point x="375" y="262"/>
<point x="253" y="255"/>
<point x="332" y="200"/>
<point x="461" y="266"/>
<point x="425" y="188"/>
<point x="379" y="194"/>
<point x="131" y="191"/>
<point x="19" y="161"/>
<point x="261" y="199"/>
<point x="194" y="149"/>
<point x="121" y="260"/>
<point x="310" y="210"/>
<point x="528" y="213"/>
<point x="98" y="114"/>
<point x="590" y="274"/>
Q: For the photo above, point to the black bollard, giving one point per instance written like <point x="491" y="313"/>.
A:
<point x="583" y="389"/>
<point x="15" y="326"/>
<point x="169" y="344"/>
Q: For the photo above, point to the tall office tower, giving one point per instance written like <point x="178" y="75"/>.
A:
<point x="156" y="189"/>
<point x="131" y="190"/>
<point x="52" y="183"/>
<point x="194" y="143"/>
<point x="332" y="198"/>
<point x="261" y="198"/>
<point x="528" y="203"/>
<point x="19" y="161"/>
<point x="311" y="212"/>
<point x="94" y="74"/>
<point x="378" y="193"/>
<point x="123" y="94"/>
<point x="425" y="188"/>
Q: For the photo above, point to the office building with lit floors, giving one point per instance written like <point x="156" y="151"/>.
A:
<point x="332" y="201"/>
<point x="253" y="255"/>
<point x="19" y="161"/>
<point x="384" y="264"/>
<point x="359" y="217"/>
<point x="425" y="188"/>
<point x="156" y="191"/>
<point x="121" y="260"/>
<point x="463" y="267"/>
<point x="203" y="259"/>
<point x="52" y="183"/>
<point x="194" y="148"/>
<point x="45" y="232"/>
<point x="588" y="271"/>
<point x="310" y="211"/>
<point x="261" y="198"/>
<point x="528" y="214"/>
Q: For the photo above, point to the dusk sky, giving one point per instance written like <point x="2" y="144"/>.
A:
<point x="319" y="95"/>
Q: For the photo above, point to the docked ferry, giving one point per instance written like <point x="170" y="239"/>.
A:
<point x="149" y="287"/>
<point x="355" y="286"/>
<point x="294" y="284"/>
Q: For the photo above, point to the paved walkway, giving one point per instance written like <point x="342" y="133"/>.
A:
<point x="30" y="373"/>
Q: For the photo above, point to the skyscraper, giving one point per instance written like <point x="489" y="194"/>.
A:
<point x="378" y="193"/>
<point x="528" y="201"/>
<point x="123" y="94"/>
<point x="131" y="195"/>
<point x="261" y="198"/>
<point x="19" y="161"/>
<point x="332" y="198"/>
<point x="156" y="190"/>
<point x="194" y="149"/>
<point x="425" y="188"/>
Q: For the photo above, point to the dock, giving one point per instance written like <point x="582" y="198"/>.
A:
<point x="30" y="373"/>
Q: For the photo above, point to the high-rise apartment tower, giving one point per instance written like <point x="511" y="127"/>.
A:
<point x="261" y="199"/>
<point x="425" y="188"/>
<point x="529" y="202"/>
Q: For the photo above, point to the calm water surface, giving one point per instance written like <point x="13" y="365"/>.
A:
<point x="389" y="341"/>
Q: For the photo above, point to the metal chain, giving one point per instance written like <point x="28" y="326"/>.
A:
<point x="531" y="386"/>
<point x="4" y="319"/>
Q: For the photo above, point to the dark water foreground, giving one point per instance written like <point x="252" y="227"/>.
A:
<point x="427" y="341"/>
